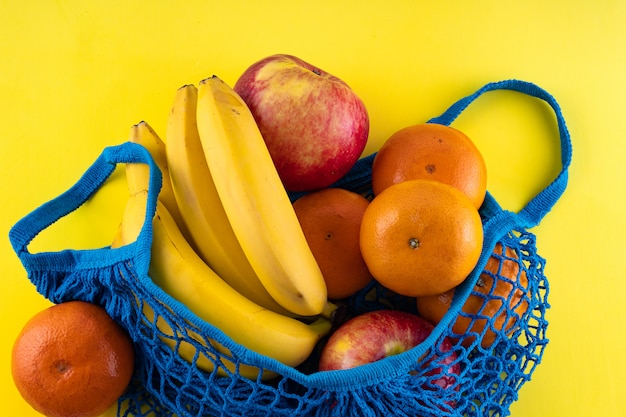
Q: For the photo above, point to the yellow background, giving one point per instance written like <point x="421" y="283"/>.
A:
<point x="75" y="75"/>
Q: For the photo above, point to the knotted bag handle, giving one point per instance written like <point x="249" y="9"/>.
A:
<point x="26" y="229"/>
<point x="542" y="203"/>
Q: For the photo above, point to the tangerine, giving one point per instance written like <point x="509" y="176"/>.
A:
<point x="421" y="237"/>
<point x="331" y="220"/>
<point x="72" y="359"/>
<point x="498" y="296"/>
<point x="431" y="151"/>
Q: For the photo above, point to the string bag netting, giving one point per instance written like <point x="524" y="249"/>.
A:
<point x="449" y="374"/>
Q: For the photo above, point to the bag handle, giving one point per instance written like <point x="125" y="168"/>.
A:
<point x="543" y="202"/>
<point x="26" y="229"/>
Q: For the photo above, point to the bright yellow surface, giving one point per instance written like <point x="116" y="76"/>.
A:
<point x="75" y="75"/>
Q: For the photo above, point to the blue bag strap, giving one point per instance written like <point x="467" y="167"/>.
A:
<point x="543" y="202"/>
<point x="27" y="228"/>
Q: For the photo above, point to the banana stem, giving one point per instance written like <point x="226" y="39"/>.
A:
<point x="329" y="310"/>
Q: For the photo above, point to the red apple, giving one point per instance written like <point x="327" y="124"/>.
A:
<point x="313" y="123"/>
<point x="375" y="335"/>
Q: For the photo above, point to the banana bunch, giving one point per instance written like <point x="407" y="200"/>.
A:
<point x="203" y="215"/>
<point x="232" y="201"/>
<point x="226" y="241"/>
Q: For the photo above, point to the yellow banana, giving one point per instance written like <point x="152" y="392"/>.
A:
<point x="179" y="271"/>
<point x="132" y="219"/>
<point x="137" y="174"/>
<point x="255" y="200"/>
<point x="210" y="233"/>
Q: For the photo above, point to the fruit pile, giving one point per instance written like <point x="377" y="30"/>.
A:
<point x="253" y="236"/>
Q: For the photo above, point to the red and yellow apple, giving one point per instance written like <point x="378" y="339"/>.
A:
<point x="373" y="336"/>
<point x="314" y="125"/>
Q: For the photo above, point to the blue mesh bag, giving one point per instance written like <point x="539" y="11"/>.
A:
<point x="481" y="379"/>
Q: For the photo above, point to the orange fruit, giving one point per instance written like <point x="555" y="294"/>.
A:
<point x="72" y="359"/>
<point x="435" y="152"/>
<point x="331" y="220"/>
<point x="501" y="287"/>
<point x="421" y="237"/>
